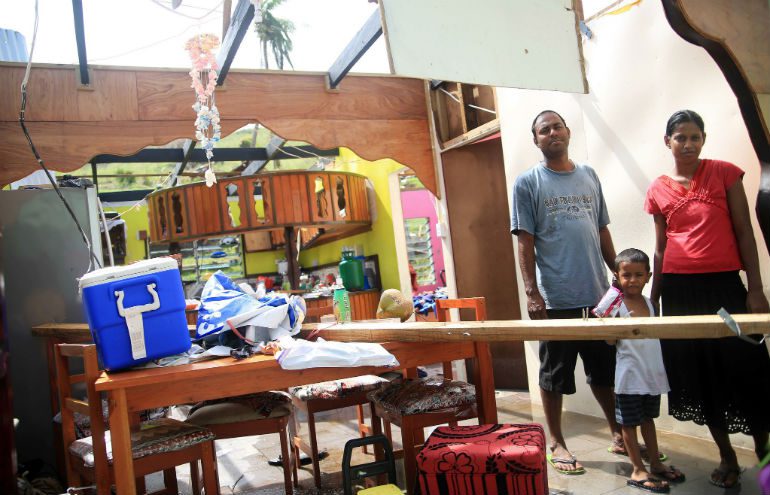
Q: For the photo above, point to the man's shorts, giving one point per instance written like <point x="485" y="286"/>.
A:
<point x="559" y="357"/>
<point x="632" y="410"/>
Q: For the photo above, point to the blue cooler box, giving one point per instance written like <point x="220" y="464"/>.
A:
<point x="136" y="312"/>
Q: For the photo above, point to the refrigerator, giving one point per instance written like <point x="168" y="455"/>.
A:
<point x="42" y="254"/>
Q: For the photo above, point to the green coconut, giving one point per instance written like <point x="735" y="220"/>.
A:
<point x="393" y="304"/>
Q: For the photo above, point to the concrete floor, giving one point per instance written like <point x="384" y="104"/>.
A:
<point x="243" y="467"/>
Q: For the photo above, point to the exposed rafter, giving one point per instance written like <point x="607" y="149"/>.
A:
<point x="272" y="149"/>
<point x="80" y="38"/>
<point x="239" y="24"/>
<point x="364" y="38"/>
<point x="187" y="148"/>
<point x="176" y="155"/>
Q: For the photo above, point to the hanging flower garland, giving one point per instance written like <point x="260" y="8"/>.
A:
<point x="204" y="81"/>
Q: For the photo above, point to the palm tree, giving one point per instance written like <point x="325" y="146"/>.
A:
<point x="275" y="33"/>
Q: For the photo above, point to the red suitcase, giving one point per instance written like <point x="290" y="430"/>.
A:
<point x="502" y="459"/>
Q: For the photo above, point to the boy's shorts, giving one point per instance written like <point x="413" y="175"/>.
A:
<point x="558" y="359"/>
<point x="632" y="410"/>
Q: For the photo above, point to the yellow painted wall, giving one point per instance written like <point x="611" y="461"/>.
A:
<point x="380" y="240"/>
<point x="136" y="220"/>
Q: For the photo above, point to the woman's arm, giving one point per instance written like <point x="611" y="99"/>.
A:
<point x="657" y="267"/>
<point x="756" y="301"/>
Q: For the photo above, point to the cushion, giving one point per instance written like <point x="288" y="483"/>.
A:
<point x="241" y="408"/>
<point x="337" y="389"/>
<point x="153" y="437"/>
<point x="83" y="422"/>
<point x="416" y="396"/>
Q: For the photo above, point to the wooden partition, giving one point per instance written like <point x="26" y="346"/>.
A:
<point x="326" y="204"/>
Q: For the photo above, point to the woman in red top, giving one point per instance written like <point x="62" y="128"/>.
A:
<point x="703" y="239"/>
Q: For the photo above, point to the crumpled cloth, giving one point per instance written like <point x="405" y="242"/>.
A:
<point x="302" y="354"/>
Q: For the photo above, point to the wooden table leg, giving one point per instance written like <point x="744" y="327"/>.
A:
<point x="485" y="386"/>
<point x="120" y="430"/>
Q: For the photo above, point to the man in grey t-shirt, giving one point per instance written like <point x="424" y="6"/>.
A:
<point x="560" y="219"/>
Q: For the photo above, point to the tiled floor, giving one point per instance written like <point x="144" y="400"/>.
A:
<point x="243" y="467"/>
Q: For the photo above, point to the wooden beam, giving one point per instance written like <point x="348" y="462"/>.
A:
<point x="364" y="38"/>
<point x="273" y="148"/>
<point x="187" y="148"/>
<point x="669" y="327"/>
<point x="176" y="155"/>
<point x="80" y="38"/>
<point x="239" y="24"/>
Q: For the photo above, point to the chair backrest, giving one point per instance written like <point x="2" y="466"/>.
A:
<point x="478" y="304"/>
<point x="361" y="471"/>
<point x="71" y="403"/>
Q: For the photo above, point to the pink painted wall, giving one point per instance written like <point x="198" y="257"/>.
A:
<point x="419" y="204"/>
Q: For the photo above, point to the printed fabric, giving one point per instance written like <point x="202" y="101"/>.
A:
<point x="505" y="459"/>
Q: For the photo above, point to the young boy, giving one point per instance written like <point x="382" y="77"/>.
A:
<point x="640" y="378"/>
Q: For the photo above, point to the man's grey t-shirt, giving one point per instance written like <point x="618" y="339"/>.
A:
<point x="564" y="212"/>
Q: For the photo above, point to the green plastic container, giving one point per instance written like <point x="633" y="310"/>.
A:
<point x="352" y="272"/>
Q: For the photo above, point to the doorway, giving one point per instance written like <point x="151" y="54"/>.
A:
<point x="484" y="263"/>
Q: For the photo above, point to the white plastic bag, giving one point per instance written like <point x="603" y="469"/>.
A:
<point x="301" y="354"/>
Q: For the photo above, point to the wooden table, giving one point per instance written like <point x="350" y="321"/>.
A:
<point x="136" y="390"/>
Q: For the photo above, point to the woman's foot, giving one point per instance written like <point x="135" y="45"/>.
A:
<point x="726" y="476"/>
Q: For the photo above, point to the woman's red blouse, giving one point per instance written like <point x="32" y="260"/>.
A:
<point x="699" y="229"/>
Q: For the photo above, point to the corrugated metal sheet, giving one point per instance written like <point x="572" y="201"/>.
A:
<point x="13" y="46"/>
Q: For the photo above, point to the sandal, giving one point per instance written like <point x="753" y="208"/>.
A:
<point x="723" y="475"/>
<point x="553" y="461"/>
<point x="670" y="474"/>
<point x="655" y="486"/>
<point x="620" y="449"/>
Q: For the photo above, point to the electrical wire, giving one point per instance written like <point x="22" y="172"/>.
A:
<point x="22" y="111"/>
<point x="159" y="4"/>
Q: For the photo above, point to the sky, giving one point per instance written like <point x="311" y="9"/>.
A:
<point x="148" y="33"/>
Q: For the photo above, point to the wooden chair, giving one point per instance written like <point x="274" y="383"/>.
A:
<point x="250" y="415"/>
<point x="319" y="397"/>
<point x="394" y="403"/>
<point x="157" y="445"/>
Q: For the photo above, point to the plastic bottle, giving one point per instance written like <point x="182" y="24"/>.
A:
<point x="341" y="305"/>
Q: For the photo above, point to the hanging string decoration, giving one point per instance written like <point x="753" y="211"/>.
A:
<point x="204" y="80"/>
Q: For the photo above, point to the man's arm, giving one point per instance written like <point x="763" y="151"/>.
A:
<point x="535" y="302"/>
<point x="608" y="250"/>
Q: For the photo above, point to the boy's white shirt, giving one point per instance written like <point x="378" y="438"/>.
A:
<point x="639" y="366"/>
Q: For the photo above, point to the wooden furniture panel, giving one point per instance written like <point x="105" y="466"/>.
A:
<point x="340" y="197"/>
<point x="289" y="201"/>
<point x="321" y="201"/>
<point x="177" y="201"/>
<point x="233" y="223"/>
